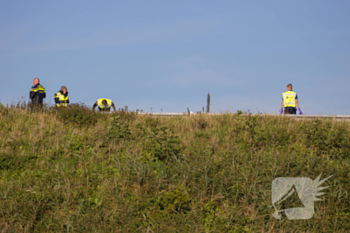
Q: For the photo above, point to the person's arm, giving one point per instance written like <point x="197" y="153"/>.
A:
<point x="282" y="106"/>
<point x="94" y="106"/>
<point x="297" y="104"/>
<point x="113" y="106"/>
<point x="57" y="101"/>
<point x="32" y="94"/>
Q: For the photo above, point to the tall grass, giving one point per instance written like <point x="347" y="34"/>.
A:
<point x="123" y="172"/>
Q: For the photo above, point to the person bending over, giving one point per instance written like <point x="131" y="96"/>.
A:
<point x="104" y="105"/>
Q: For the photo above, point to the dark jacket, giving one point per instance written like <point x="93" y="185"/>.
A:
<point x="37" y="94"/>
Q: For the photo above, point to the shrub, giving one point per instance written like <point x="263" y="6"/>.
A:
<point x="77" y="114"/>
<point x="152" y="122"/>
<point x="327" y="138"/>
<point x="159" y="145"/>
<point x="125" y="114"/>
<point x="175" y="201"/>
<point x="117" y="130"/>
<point x="200" y="124"/>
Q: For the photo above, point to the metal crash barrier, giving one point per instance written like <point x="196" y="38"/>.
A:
<point x="298" y="117"/>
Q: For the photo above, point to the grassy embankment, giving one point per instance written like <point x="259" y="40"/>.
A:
<point x="128" y="173"/>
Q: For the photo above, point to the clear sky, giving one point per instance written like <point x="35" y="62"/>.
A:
<point x="167" y="55"/>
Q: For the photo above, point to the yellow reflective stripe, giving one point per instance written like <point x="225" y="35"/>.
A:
<point x="40" y="89"/>
<point x="59" y="95"/>
<point x="99" y="103"/>
<point x="109" y="103"/>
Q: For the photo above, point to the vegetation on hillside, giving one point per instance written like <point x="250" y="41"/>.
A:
<point x="79" y="171"/>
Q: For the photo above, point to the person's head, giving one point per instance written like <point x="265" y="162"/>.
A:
<point x="289" y="87"/>
<point x="104" y="103"/>
<point x="64" y="89"/>
<point x="36" y="81"/>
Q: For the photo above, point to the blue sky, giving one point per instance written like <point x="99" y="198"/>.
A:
<point x="167" y="55"/>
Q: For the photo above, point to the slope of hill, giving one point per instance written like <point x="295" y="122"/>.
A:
<point x="78" y="171"/>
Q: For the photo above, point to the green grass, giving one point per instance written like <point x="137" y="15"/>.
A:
<point x="77" y="171"/>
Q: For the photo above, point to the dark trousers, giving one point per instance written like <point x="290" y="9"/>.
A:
<point x="104" y="109"/>
<point x="290" y="110"/>
<point x="35" y="105"/>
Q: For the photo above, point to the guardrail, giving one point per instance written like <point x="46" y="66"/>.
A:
<point x="334" y="117"/>
<point x="299" y="117"/>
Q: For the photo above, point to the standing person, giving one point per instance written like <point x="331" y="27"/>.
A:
<point x="37" y="93"/>
<point x="289" y="101"/>
<point x="104" y="105"/>
<point x="61" y="97"/>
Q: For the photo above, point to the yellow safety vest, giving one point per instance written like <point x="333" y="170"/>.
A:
<point x="289" y="98"/>
<point x="99" y="103"/>
<point x="61" y="97"/>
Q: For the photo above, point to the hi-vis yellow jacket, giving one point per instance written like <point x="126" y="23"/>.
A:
<point x="100" y="106"/>
<point x="61" y="99"/>
<point x="289" y="98"/>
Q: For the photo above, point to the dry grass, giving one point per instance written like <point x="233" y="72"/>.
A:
<point x="199" y="174"/>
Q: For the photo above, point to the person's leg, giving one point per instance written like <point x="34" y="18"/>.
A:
<point x="290" y="110"/>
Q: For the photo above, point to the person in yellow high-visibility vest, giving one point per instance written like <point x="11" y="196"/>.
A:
<point x="104" y="105"/>
<point x="289" y="101"/>
<point x="61" y="97"/>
